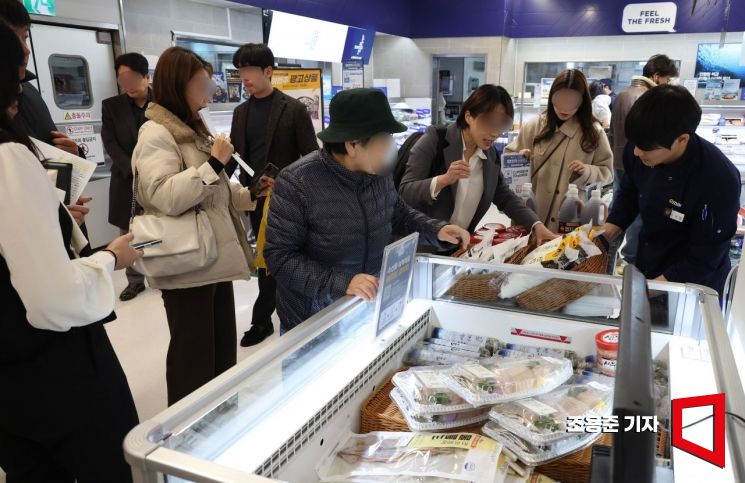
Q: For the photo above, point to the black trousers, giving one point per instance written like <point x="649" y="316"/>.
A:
<point x="201" y="321"/>
<point x="64" y="414"/>
<point x="266" y="302"/>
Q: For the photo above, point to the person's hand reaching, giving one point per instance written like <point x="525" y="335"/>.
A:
<point x="543" y="234"/>
<point x="455" y="235"/>
<point x="363" y="286"/>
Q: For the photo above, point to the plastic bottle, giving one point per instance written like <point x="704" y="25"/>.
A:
<point x="594" y="211"/>
<point x="527" y="196"/>
<point x="570" y="212"/>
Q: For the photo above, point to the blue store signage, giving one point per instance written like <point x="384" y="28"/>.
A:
<point x="358" y="45"/>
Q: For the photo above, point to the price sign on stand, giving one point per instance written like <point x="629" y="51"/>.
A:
<point x="516" y="171"/>
<point x="395" y="280"/>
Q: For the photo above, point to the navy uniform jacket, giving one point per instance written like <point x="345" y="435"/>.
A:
<point x="688" y="210"/>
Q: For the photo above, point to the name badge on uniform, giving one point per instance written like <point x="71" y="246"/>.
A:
<point x="674" y="215"/>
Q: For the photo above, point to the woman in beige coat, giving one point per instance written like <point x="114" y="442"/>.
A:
<point x="565" y="145"/>
<point x="177" y="168"/>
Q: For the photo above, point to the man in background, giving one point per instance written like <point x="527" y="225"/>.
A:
<point x="33" y="114"/>
<point x="271" y="127"/>
<point x="608" y="90"/>
<point x="122" y="117"/>
<point x="658" y="70"/>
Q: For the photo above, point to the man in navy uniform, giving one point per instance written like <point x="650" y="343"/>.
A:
<point x="685" y="189"/>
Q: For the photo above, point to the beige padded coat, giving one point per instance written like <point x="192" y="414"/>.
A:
<point x="165" y="144"/>
<point x="551" y="180"/>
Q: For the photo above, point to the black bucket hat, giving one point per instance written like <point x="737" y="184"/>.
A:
<point x="359" y="114"/>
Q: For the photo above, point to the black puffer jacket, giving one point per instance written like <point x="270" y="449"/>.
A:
<point x="325" y="225"/>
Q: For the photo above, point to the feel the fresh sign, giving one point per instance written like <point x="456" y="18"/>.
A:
<point x="649" y="17"/>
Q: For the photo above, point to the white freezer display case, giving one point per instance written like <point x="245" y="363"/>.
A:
<point x="277" y="414"/>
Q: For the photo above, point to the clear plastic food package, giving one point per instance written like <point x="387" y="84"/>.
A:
<point x="542" y="420"/>
<point x="535" y="455"/>
<point x="422" y="355"/>
<point x="456" y="347"/>
<point x="426" y="391"/>
<point x="486" y="343"/>
<point x="458" y="456"/>
<point x="437" y="422"/>
<point x="505" y="380"/>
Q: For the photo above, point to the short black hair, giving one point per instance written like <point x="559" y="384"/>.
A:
<point x="133" y="60"/>
<point x="660" y="64"/>
<point x="660" y="115"/>
<point x="485" y="98"/>
<point x="341" y="148"/>
<point x="13" y="13"/>
<point x="253" y="55"/>
<point x="607" y="83"/>
<point x="596" y="88"/>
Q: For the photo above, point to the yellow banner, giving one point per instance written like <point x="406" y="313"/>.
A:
<point x="295" y="79"/>
<point x="305" y="85"/>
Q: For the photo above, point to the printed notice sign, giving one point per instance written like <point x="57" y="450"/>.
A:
<point x="516" y="171"/>
<point x="395" y="280"/>
<point x="649" y="17"/>
<point x="89" y="142"/>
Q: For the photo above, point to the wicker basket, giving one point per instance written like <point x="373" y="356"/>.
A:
<point x="549" y="296"/>
<point x="575" y="468"/>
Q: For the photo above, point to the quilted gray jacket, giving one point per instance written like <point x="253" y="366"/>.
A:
<point x="325" y="225"/>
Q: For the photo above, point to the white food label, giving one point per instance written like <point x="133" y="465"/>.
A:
<point x="479" y="371"/>
<point x="537" y="406"/>
<point x="430" y="379"/>
<point x="609" y="364"/>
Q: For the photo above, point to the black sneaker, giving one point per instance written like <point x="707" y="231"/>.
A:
<point x="256" y="335"/>
<point x="132" y="290"/>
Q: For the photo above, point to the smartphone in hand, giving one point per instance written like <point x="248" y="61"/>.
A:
<point x="256" y="185"/>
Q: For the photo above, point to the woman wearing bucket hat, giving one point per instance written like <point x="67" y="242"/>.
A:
<point x="339" y="209"/>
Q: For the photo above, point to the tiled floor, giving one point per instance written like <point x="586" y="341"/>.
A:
<point x="140" y="338"/>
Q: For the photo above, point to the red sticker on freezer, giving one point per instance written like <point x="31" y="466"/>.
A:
<point x="535" y="334"/>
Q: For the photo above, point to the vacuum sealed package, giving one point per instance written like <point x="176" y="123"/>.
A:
<point x="508" y="379"/>
<point x="542" y="419"/>
<point x="437" y="422"/>
<point x="424" y="355"/>
<point x="427" y="393"/>
<point x="535" y="455"/>
<point x="458" y="456"/>
<point x="454" y="347"/>
<point x="488" y="343"/>
<point x="527" y="351"/>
